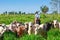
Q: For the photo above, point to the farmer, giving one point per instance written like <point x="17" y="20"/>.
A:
<point x="37" y="17"/>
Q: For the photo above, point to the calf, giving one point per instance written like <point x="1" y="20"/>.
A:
<point x="36" y="28"/>
<point x="55" y="22"/>
<point x="13" y="25"/>
<point x="9" y="27"/>
<point x="32" y="28"/>
<point x="45" y="26"/>
<point x="49" y="26"/>
<point x="29" y="28"/>
<point x="20" y="30"/>
<point x="26" y="25"/>
<point x="59" y="25"/>
<point x="2" y="30"/>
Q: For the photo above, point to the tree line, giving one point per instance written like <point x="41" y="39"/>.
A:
<point x="13" y="12"/>
<point x="44" y="9"/>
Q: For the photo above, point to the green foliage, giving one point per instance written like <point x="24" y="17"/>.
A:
<point x="53" y="34"/>
<point x="44" y="9"/>
<point x="11" y="36"/>
<point x="32" y="37"/>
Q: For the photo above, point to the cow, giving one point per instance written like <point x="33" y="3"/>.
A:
<point x="19" y="30"/>
<point x="14" y="24"/>
<point x="55" y="22"/>
<point x="46" y="26"/>
<point x="26" y="25"/>
<point x="32" y="28"/>
<point x="2" y="30"/>
<point x="59" y="25"/>
<point x="29" y="28"/>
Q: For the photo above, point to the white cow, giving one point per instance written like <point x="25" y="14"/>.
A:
<point x="9" y="27"/>
<point x="36" y="28"/>
<point x="59" y="25"/>
<point x="26" y="24"/>
<point x="33" y="28"/>
<point x="41" y="26"/>
<point x="29" y="28"/>
<point x="55" y="22"/>
<point x="2" y="29"/>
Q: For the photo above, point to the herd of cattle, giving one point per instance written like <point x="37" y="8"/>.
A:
<point x="28" y="27"/>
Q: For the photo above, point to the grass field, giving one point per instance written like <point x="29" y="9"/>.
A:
<point x="52" y="34"/>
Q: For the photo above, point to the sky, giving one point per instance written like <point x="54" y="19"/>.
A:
<point x="28" y="6"/>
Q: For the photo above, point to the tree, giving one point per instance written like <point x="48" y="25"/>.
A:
<point x="55" y="5"/>
<point x="23" y="13"/>
<point x="44" y="9"/>
<point x="11" y="12"/>
<point x="5" y="12"/>
<point x="19" y="12"/>
<point x="55" y="12"/>
<point x="15" y="13"/>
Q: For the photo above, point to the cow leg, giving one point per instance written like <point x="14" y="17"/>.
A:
<point x="16" y="35"/>
<point x="29" y="32"/>
<point x="1" y="38"/>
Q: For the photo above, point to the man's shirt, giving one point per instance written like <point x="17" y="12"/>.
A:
<point x="37" y="15"/>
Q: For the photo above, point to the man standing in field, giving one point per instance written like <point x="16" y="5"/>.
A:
<point x="37" y="17"/>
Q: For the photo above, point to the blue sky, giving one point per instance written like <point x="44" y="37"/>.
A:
<point x="23" y="5"/>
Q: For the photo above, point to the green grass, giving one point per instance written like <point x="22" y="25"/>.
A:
<point x="53" y="34"/>
<point x="11" y="36"/>
<point x="7" y="19"/>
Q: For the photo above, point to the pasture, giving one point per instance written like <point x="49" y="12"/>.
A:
<point x="52" y="34"/>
